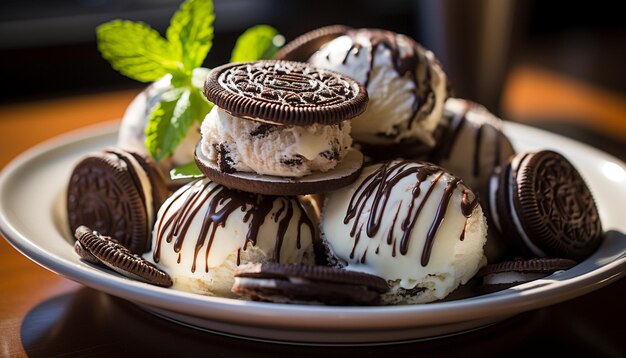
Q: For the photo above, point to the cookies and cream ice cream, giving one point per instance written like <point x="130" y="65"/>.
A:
<point x="412" y="223"/>
<point x="244" y="145"/>
<point x="205" y="230"/>
<point x="405" y="83"/>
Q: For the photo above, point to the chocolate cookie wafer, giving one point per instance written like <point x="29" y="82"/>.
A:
<point x="507" y="274"/>
<point x="308" y="284"/>
<point x="118" y="193"/>
<point x="542" y="204"/>
<point x="303" y="46"/>
<point x="118" y="258"/>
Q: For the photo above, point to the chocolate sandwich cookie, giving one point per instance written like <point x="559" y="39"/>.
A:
<point x="285" y="92"/>
<point x="280" y="128"/>
<point x="542" y="205"/>
<point x="303" y="46"/>
<point x="507" y="274"/>
<point x="118" y="193"/>
<point x="308" y="284"/>
<point x="109" y="252"/>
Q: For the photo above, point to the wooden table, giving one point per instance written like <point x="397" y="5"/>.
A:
<point x="42" y="314"/>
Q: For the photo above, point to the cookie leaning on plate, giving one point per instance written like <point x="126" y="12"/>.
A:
<point x="99" y="249"/>
<point x="117" y="193"/>
<point x="280" y="128"/>
<point x="507" y="274"/>
<point x="308" y="284"/>
<point x="542" y="204"/>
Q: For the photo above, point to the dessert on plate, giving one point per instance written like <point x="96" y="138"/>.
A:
<point x="287" y="213"/>
<point x="412" y="223"/>
<point x="204" y="231"/>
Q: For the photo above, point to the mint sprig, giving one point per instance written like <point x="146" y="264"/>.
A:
<point x="136" y="50"/>
<point x="141" y="53"/>
<point x="257" y="43"/>
<point x="190" y="33"/>
<point x="186" y="171"/>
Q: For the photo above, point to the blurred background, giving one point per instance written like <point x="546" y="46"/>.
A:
<point x="552" y="64"/>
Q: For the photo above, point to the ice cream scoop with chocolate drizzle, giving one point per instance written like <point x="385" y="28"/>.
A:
<point x="412" y="223"/>
<point x="205" y="230"/>
<point x="405" y="83"/>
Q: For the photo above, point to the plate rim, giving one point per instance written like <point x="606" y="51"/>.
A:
<point x="281" y="315"/>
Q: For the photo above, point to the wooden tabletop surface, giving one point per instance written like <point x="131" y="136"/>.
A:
<point x="45" y="315"/>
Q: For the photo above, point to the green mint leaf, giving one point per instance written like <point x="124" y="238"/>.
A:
<point x="186" y="171"/>
<point x="136" y="50"/>
<point x="256" y="43"/>
<point x="171" y="119"/>
<point x="160" y="124"/>
<point x="200" y="106"/>
<point x="191" y="32"/>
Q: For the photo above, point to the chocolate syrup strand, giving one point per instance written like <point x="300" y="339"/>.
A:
<point x="467" y="205"/>
<point x="410" y="220"/>
<point x="156" y="255"/>
<point x="183" y="211"/>
<point x="393" y="225"/>
<point x="462" y="236"/>
<point x="356" y="241"/>
<point x="363" y="257"/>
<point x="304" y="220"/>
<point x="207" y="224"/>
<point x="404" y="62"/>
<point x="282" y="227"/>
<point x="439" y="217"/>
<point x="188" y="219"/>
<point x="378" y="186"/>
<point x="355" y="46"/>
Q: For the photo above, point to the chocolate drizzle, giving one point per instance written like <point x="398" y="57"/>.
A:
<point x="378" y="187"/>
<point x="410" y="59"/>
<point x="219" y="203"/>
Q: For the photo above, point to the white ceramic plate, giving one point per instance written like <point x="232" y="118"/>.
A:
<point x="32" y="219"/>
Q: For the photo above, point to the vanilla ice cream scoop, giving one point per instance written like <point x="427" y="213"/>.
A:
<point x="205" y="230"/>
<point x="405" y="83"/>
<point x="412" y="223"/>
